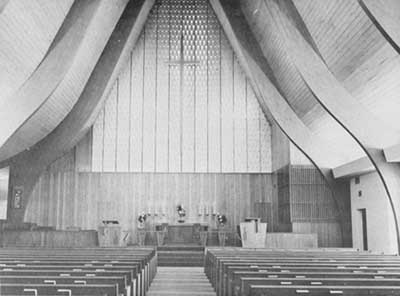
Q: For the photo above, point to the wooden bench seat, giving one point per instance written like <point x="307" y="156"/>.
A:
<point x="261" y="290"/>
<point x="234" y="271"/>
<point x="71" y="289"/>
<point x="130" y="271"/>
<point x="244" y="288"/>
<point x="62" y="280"/>
<point x="235" y="282"/>
<point x="223" y="279"/>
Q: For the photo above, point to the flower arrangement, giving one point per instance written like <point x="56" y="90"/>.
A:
<point x="181" y="211"/>
<point x="221" y="219"/>
<point x="142" y="218"/>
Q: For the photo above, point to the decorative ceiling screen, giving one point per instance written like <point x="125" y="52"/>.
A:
<point x="182" y="103"/>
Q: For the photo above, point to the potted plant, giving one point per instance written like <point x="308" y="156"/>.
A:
<point x="221" y="222"/>
<point x="181" y="213"/>
<point x="141" y="228"/>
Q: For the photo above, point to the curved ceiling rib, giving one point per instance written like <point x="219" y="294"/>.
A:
<point x="269" y="95"/>
<point x="371" y="134"/>
<point x="326" y="88"/>
<point x="272" y="101"/>
<point x="358" y="56"/>
<point x="53" y="68"/>
<point x="85" y="111"/>
<point x="78" y="53"/>
<point x="386" y="16"/>
<point x="27" y="29"/>
<point x="293" y="88"/>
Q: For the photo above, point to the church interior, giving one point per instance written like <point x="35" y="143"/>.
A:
<point x="199" y="147"/>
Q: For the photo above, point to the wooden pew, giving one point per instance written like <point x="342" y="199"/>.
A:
<point x="61" y="280"/>
<point x="213" y="257"/>
<point x="238" y="278"/>
<point x="260" y="290"/>
<point x="130" y="286"/>
<point x="244" y="289"/>
<point x="71" y="289"/>
<point x="336" y="268"/>
<point x="135" y="268"/>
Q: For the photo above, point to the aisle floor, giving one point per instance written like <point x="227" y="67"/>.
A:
<point x="181" y="281"/>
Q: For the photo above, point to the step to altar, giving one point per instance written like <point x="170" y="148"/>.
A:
<point x="180" y="255"/>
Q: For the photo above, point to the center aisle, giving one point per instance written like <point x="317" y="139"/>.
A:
<point x="180" y="281"/>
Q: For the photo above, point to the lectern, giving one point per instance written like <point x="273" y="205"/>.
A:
<point x="109" y="234"/>
<point x="253" y="233"/>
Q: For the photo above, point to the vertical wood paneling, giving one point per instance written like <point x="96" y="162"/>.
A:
<point x="227" y="127"/>
<point x="136" y="133"/>
<point x="253" y="132"/>
<point x="110" y="131"/>
<point x="98" y="141"/>
<point x="123" y="134"/>
<point x="122" y="196"/>
<point x="175" y="107"/>
<point x="306" y="203"/>
<point x="266" y="143"/>
<point x="240" y="136"/>
<point x="149" y="93"/>
<point x="83" y="153"/>
<point x="162" y="128"/>
<point x="201" y="97"/>
<point x="188" y="106"/>
<point x="214" y="94"/>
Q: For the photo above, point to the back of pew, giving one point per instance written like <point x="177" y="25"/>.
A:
<point x="235" y="282"/>
<point x="260" y="290"/>
<point x="226" y="271"/>
<point x="71" y="280"/>
<point x="92" y="262"/>
<point x="130" y="283"/>
<point x="221" y="263"/>
<point x="76" y="289"/>
<point x="214" y="256"/>
<point x="244" y="288"/>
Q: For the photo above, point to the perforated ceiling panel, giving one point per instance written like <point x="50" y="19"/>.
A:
<point x="183" y="104"/>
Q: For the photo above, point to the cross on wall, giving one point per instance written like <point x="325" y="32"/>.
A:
<point x="181" y="62"/>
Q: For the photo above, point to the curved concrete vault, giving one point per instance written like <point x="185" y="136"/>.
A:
<point x="49" y="93"/>
<point x="369" y="132"/>
<point x="131" y="18"/>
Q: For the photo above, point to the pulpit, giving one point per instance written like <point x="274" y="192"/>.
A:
<point x="141" y="237"/>
<point x="253" y="233"/>
<point x="109" y="235"/>
<point x="161" y="231"/>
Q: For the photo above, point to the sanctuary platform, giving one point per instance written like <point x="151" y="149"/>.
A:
<point x="180" y="255"/>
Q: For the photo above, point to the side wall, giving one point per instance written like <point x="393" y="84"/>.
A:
<point x="380" y="227"/>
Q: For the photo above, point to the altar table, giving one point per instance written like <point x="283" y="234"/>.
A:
<point x="184" y="233"/>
